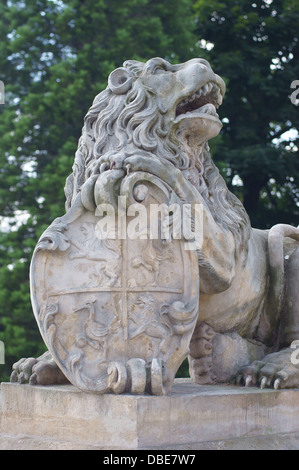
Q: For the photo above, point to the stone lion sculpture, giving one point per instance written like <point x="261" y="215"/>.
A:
<point x="157" y="118"/>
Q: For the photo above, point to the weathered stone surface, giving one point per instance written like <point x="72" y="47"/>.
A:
<point x="190" y="417"/>
<point x="118" y="313"/>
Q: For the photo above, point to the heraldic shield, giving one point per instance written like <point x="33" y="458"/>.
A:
<point x="115" y="294"/>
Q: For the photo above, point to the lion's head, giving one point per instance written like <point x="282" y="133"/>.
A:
<point x="161" y="109"/>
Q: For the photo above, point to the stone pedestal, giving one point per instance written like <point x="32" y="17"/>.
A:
<point x="190" y="417"/>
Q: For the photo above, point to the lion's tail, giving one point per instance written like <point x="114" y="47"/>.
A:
<point x="276" y="237"/>
<point x="275" y="244"/>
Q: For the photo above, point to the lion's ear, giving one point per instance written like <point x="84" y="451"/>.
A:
<point x="120" y="81"/>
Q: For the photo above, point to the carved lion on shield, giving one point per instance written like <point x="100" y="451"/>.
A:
<point x="157" y="118"/>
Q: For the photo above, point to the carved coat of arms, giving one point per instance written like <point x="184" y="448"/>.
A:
<point x="116" y="301"/>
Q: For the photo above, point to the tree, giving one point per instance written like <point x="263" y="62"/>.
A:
<point x="254" y="46"/>
<point x="55" y="56"/>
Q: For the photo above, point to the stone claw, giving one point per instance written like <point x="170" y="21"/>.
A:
<point x="21" y="378"/>
<point x="274" y="371"/>
<point x="277" y="383"/>
<point x="14" y="376"/>
<point x="248" y="380"/>
<point x="33" y="379"/>
<point x="263" y="383"/>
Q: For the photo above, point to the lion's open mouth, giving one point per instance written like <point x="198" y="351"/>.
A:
<point x="203" y="101"/>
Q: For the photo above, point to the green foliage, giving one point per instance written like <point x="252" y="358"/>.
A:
<point x="55" y="56"/>
<point x="256" y="50"/>
<point x="183" y="371"/>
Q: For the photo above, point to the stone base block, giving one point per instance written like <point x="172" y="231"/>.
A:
<point x="190" y="417"/>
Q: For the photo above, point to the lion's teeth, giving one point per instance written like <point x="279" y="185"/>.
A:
<point x="219" y="98"/>
<point x="205" y="90"/>
<point x="216" y="95"/>
<point x="208" y="109"/>
<point x="184" y="102"/>
<point x="201" y="102"/>
<point x="210" y="86"/>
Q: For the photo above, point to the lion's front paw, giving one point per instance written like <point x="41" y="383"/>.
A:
<point x="40" y="371"/>
<point x="275" y="370"/>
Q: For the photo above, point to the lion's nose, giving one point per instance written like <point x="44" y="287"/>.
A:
<point x="205" y="62"/>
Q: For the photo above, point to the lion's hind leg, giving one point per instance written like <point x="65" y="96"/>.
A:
<point x="281" y="369"/>
<point x="289" y="330"/>
<point x="217" y="358"/>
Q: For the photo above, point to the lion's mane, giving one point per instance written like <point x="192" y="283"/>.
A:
<point x="134" y="122"/>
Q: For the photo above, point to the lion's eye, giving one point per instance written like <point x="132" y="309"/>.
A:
<point x="159" y="69"/>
